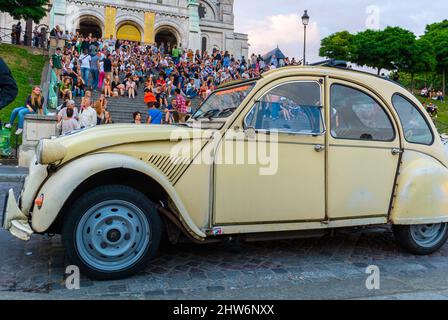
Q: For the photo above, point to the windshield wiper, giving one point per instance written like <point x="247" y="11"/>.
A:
<point x="226" y="110"/>
<point x="209" y="114"/>
<point x="215" y="113"/>
<point x="182" y="125"/>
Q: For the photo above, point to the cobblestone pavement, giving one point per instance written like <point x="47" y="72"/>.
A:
<point x="327" y="268"/>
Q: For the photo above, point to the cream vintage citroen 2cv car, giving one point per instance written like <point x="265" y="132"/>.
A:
<point x="298" y="151"/>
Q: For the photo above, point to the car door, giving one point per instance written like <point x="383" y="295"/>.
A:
<point x="363" y="153"/>
<point x="278" y="168"/>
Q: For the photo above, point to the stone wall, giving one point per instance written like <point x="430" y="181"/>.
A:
<point x="36" y="127"/>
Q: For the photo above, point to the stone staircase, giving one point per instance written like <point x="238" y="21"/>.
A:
<point x="122" y="108"/>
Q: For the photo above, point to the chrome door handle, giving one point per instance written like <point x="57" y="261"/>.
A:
<point x="319" y="148"/>
<point x="396" y="151"/>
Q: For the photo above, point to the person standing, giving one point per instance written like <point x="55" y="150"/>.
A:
<point x="56" y="63"/>
<point x="102" y="73"/>
<point x="69" y="104"/>
<point x="88" y="115"/>
<point x="85" y="59"/>
<point x="94" y="71"/>
<point x="181" y="105"/>
<point x="154" y="114"/>
<point x="108" y="67"/>
<point x="8" y="86"/>
<point x="175" y="55"/>
<point x="68" y="124"/>
<point x="36" y="37"/>
<point x="18" y="32"/>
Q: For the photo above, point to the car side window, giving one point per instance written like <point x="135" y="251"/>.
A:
<point x="357" y="116"/>
<point x="293" y="107"/>
<point x="415" y="127"/>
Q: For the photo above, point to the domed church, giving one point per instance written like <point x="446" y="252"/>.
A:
<point x="195" y="24"/>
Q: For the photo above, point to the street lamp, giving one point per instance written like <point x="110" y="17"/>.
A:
<point x="305" y="22"/>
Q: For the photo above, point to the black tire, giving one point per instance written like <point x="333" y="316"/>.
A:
<point x="100" y="195"/>
<point x="403" y="235"/>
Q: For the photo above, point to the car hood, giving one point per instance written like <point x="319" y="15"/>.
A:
<point x="102" y="137"/>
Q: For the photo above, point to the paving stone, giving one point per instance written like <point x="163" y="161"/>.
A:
<point x="329" y="267"/>
<point x="118" y="288"/>
<point x="154" y="293"/>
<point x="215" y="288"/>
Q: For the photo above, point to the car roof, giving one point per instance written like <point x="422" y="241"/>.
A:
<point x="324" y="71"/>
<point x="375" y="82"/>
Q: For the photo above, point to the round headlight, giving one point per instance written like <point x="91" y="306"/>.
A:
<point x="39" y="150"/>
<point x="50" y="151"/>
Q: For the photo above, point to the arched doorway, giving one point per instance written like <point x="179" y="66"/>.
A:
<point x="166" y="37"/>
<point x="129" y="32"/>
<point x="90" y="25"/>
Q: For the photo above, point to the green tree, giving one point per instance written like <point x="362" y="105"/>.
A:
<point x="438" y="37"/>
<point x="388" y="49"/>
<point x="440" y="44"/>
<point x="396" y="47"/>
<point x="437" y="26"/>
<point x="337" y="46"/>
<point x="25" y="9"/>
<point x="421" y="60"/>
<point x="366" y="49"/>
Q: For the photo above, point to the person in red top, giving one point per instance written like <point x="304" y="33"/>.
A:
<point x="181" y="106"/>
<point x="149" y="96"/>
<point x="161" y="81"/>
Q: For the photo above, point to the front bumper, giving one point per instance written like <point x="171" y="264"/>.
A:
<point x="14" y="220"/>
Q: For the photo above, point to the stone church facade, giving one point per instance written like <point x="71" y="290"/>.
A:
<point x="195" y="24"/>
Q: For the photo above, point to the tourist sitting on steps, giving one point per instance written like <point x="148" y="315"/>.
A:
<point x="33" y="104"/>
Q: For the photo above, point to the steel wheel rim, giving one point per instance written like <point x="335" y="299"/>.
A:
<point x="428" y="235"/>
<point x="112" y="235"/>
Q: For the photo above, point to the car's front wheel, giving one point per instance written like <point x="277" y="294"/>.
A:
<point x="111" y="232"/>
<point x="422" y="239"/>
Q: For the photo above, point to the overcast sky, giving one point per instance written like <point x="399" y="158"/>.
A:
<point x="278" y="22"/>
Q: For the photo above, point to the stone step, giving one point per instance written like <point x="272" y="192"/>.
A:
<point x="122" y="108"/>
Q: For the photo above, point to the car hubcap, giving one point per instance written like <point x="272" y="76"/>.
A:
<point x="112" y="235"/>
<point x="428" y="235"/>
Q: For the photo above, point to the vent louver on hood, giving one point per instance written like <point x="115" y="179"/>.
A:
<point x="171" y="167"/>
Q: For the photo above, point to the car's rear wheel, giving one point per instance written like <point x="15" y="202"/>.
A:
<point x="422" y="239"/>
<point x="111" y="232"/>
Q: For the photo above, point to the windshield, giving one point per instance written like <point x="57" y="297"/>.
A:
<point x="222" y="103"/>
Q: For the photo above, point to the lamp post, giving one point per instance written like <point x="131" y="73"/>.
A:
<point x="305" y="22"/>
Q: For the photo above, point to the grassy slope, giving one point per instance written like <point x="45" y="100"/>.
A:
<point x="26" y="69"/>
<point x="442" y="119"/>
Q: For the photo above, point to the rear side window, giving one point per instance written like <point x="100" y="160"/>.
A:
<point x="415" y="126"/>
<point x="357" y="116"/>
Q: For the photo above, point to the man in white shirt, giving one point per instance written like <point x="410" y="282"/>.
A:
<point x="87" y="116"/>
<point x="84" y="60"/>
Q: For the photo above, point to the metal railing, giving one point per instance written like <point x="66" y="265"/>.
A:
<point x="10" y="143"/>
<point x="39" y="39"/>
